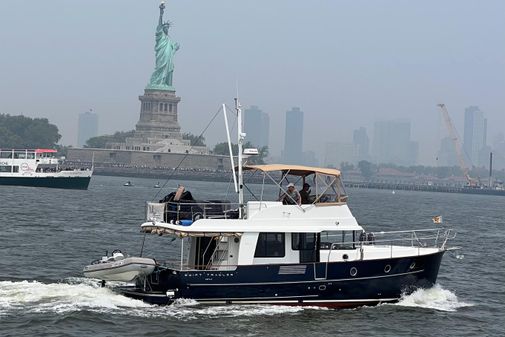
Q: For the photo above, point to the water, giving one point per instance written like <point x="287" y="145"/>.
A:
<point x="47" y="236"/>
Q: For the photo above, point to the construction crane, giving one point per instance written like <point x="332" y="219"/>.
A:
<point x="457" y="145"/>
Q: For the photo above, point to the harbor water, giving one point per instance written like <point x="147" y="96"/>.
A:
<point x="47" y="236"/>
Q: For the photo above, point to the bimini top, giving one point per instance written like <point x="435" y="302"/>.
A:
<point x="294" y="170"/>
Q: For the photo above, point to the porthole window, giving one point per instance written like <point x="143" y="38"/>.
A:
<point x="387" y="268"/>
<point x="353" y="271"/>
<point x="412" y="265"/>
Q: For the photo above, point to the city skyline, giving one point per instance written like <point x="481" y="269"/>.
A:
<point x="371" y="70"/>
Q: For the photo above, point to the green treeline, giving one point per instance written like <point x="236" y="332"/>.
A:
<point x="99" y="142"/>
<point x="222" y="149"/>
<point x="20" y="132"/>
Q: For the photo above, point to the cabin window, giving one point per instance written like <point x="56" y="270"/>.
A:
<point x="270" y="245"/>
<point x="338" y="240"/>
<point x="303" y="241"/>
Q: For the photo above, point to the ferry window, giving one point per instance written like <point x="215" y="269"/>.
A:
<point x="8" y="169"/>
<point x="303" y="241"/>
<point x="6" y="154"/>
<point x="270" y="245"/>
<point x="338" y="240"/>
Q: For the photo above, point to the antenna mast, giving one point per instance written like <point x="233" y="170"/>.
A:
<point x="240" y="140"/>
<point x="230" y="148"/>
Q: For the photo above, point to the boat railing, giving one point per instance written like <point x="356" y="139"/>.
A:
<point x="396" y="241"/>
<point x="185" y="213"/>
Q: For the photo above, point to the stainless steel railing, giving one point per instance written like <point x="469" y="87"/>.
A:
<point x="177" y="211"/>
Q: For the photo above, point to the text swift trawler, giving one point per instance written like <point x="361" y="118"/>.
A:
<point x="303" y="248"/>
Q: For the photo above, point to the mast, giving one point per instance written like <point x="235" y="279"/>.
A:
<point x="230" y="148"/>
<point x="240" y="140"/>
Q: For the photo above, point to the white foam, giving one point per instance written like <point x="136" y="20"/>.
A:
<point x="433" y="298"/>
<point x="60" y="297"/>
<point x="195" y="311"/>
<point x="80" y="294"/>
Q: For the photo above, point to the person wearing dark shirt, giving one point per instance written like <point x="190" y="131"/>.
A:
<point x="305" y="194"/>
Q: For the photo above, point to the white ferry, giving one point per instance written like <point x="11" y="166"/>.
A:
<point x="40" y="168"/>
<point x="283" y="250"/>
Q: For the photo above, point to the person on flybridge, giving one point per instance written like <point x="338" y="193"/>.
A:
<point x="305" y="194"/>
<point x="291" y="197"/>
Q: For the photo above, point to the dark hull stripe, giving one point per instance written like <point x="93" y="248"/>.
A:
<point x="77" y="183"/>
<point x="323" y="303"/>
<point x="304" y="300"/>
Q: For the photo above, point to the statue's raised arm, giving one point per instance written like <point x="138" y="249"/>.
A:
<point x="162" y="10"/>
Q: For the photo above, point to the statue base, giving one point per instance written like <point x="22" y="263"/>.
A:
<point x="158" y="114"/>
<point x="160" y="87"/>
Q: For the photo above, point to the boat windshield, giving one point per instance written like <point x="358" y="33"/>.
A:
<point x="314" y="185"/>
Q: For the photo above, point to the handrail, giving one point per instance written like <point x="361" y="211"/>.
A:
<point x="437" y="234"/>
<point x="176" y="211"/>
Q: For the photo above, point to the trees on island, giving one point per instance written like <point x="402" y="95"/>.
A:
<point x="99" y="142"/>
<point x="20" y="132"/>
<point x="222" y="149"/>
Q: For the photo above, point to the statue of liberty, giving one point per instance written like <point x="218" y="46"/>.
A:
<point x="165" y="50"/>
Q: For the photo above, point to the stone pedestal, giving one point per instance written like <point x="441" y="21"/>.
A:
<point x="158" y="115"/>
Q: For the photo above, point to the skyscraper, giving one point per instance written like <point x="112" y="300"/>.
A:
<point x="447" y="154"/>
<point x="257" y="126"/>
<point x="293" y="137"/>
<point x="475" y="135"/>
<point x="392" y="143"/>
<point x="361" y="145"/>
<point x="88" y="127"/>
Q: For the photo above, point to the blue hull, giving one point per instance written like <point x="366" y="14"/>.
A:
<point x="76" y="183"/>
<point x="332" y="284"/>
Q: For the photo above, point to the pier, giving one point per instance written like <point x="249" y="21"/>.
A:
<point x="425" y="188"/>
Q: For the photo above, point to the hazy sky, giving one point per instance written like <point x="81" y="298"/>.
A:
<point x="344" y="63"/>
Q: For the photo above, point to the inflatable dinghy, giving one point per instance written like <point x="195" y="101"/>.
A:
<point x="118" y="267"/>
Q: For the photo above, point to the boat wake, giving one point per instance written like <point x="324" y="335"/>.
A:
<point x="34" y="296"/>
<point x="80" y="294"/>
<point x="433" y="298"/>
